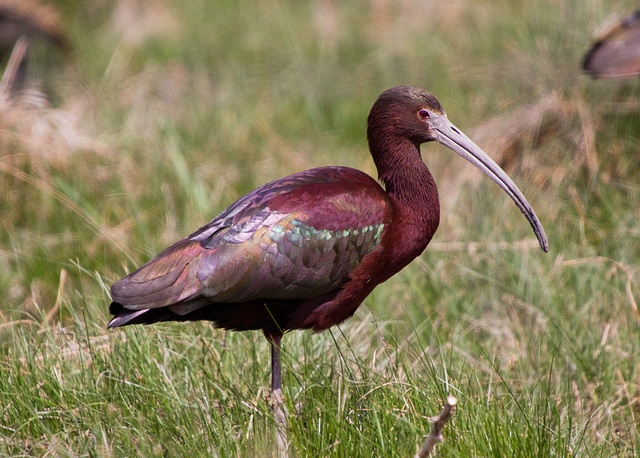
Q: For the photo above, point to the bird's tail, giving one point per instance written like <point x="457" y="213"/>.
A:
<point x="124" y="317"/>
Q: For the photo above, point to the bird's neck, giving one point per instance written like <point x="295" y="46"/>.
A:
<point x="412" y="190"/>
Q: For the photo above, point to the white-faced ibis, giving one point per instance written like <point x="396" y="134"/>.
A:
<point x="616" y="53"/>
<point x="304" y="251"/>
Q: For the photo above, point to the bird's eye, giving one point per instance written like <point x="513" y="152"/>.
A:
<point x="424" y="114"/>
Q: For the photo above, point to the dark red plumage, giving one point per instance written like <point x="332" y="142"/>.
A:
<point x="304" y="251"/>
<point x="255" y="261"/>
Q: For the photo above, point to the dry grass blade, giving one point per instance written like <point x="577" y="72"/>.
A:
<point x="52" y="313"/>
<point x="505" y="135"/>
<point x="616" y="265"/>
<point x="47" y="188"/>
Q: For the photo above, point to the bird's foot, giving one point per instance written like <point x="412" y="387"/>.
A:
<point x="280" y="415"/>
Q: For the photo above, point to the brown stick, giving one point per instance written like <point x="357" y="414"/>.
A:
<point x="435" y="436"/>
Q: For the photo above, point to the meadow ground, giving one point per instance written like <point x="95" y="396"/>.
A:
<point x="164" y="115"/>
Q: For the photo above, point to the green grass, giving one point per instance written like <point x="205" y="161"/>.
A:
<point x="153" y="133"/>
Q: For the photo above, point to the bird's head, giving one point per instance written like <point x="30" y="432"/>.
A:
<point x="410" y="113"/>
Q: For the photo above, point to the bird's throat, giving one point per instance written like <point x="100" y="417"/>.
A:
<point x="414" y="194"/>
<point x="410" y="184"/>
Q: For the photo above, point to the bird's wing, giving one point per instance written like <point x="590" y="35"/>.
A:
<point x="616" y="53"/>
<point x="297" y="237"/>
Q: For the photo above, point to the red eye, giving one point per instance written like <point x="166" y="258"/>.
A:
<point x="424" y="114"/>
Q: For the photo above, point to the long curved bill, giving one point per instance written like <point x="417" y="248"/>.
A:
<point x="451" y="137"/>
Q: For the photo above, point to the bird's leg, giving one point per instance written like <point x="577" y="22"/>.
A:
<point x="277" y="399"/>
<point x="276" y="369"/>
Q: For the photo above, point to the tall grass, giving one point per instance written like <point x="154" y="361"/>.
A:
<point x="166" y="114"/>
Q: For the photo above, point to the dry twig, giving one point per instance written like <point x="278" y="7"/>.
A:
<point x="435" y="436"/>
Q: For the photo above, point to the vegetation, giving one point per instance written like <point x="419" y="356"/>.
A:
<point x="166" y="114"/>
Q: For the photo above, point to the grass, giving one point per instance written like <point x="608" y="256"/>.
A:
<point x="155" y="128"/>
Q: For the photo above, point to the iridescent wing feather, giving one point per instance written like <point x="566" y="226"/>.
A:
<point x="297" y="237"/>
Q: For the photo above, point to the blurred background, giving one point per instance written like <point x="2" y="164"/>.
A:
<point x="129" y="124"/>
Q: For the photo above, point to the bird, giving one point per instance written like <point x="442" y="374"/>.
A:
<point x="32" y="19"/>
<point x="304" y="251"/>
<point x="22" y="23"/>
<point x="616" y="52"/>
